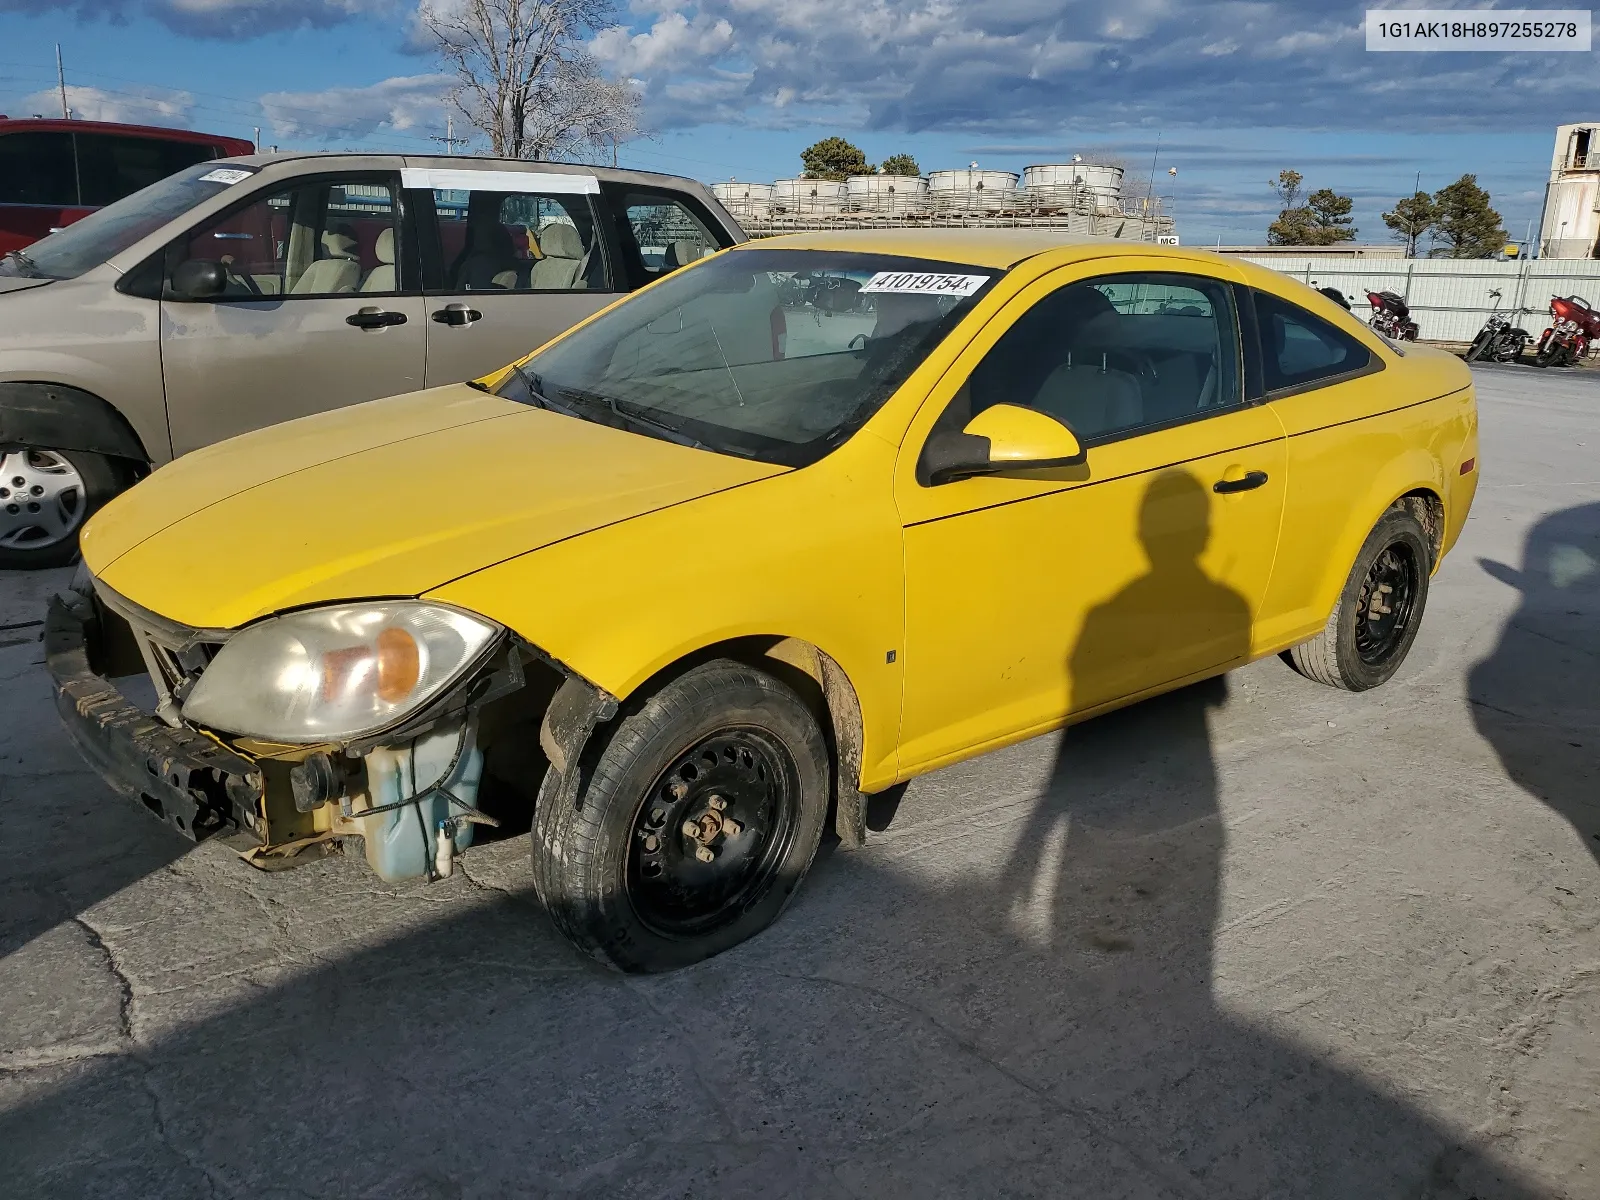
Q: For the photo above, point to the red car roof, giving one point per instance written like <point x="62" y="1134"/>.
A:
<point x="232" y="144"/>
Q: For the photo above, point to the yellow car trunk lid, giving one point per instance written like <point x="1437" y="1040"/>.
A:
<point x="396" y="519"/>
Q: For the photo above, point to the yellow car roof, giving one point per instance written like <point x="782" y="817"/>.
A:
<point x="973" y="247"/>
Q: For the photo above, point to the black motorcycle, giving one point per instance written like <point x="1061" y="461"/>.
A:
<point x="1499" y="340"/>
<point x="1391" y="316"/>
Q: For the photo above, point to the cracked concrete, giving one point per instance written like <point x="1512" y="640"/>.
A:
<point x="1262" y="939"/>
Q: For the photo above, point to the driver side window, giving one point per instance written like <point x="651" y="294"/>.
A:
<point x="323" y="237"/>
<point x="1113" y="355"/>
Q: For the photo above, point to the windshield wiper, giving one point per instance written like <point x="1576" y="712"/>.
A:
<point x="533" y="385"/>
<point x="631" y="414"/>
<point x="25" y="266"/>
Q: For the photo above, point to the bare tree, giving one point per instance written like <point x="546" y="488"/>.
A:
<point x="524" y="78"/>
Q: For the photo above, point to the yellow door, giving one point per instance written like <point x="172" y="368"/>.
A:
<point x="1037" y="594"/>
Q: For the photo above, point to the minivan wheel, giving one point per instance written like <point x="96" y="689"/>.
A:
<point x="1376" y="620"/>
<point x="45" y="497"/>
<point x="696" y="819"/>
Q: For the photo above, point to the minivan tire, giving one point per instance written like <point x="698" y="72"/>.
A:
<point x="1358" y="649"/>
<point x="723" y="749"/>
<point x="102" y="478"/>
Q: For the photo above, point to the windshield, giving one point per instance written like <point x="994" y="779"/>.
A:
<point x="777" y="355"/>
<point x="108" y="231"/>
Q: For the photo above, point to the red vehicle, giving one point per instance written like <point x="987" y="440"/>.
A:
<point x="53" y="172"/>
<point x="1574" y="330"/>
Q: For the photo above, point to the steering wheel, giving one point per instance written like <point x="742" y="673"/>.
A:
<point x="857" y="342"/>
<point x="245" y="281"/>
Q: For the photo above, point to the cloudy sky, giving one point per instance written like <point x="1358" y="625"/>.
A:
<point x="1233" y="90"/>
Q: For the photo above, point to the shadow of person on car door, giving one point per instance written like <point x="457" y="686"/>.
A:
<point x="1536" y="698"/>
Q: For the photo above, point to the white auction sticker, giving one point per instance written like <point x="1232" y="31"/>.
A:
<point x="1494" y="29"/>
<point x="225" y="175"/>
<point x="924" y="283"/>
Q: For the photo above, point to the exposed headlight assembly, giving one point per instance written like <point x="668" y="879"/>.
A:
<point x="332" y="674"/>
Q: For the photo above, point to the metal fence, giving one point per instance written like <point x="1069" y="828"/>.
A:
<point x="1449" y="298"/>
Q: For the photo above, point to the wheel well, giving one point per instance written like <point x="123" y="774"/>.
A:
<point x="1428" y="509"/>
<point x="58" y="417"/>
<point x="823" y="687"/>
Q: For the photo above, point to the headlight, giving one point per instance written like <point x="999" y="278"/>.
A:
<point x="332" y="673"/>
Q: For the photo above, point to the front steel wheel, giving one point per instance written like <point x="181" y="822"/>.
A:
<point x="696" y="817"/>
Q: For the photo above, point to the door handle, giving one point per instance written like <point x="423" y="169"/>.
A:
<point x="457" y="314"/>
<point x="1249" y="483"/>
<point x="375" y="318"/>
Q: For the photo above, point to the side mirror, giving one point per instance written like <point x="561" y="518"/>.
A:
<point x="199" y="279"/>
<point x="1003" y="437"/>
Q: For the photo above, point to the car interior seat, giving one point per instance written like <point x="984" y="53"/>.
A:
<point x="563" y="261"/>
<point x="382" y="277"/>
<point x="680" y="254"/>
<point x="337" y="270"/>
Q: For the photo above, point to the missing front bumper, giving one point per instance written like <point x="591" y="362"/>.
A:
<point x="185" y="779"/>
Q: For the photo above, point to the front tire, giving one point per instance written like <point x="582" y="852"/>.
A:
<point x="1379" y="611"/>
<point x="696" y="818"/>
<point x="46" y="496"/>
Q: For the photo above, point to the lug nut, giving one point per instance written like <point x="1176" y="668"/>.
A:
<point x="691" y="830"/>
<point x="718" y="803"/>
<point x="703" y="853"/>
<point x="19" y="481"/>
<point x="37" y="489"/>
<point x="731" y="828"/>
<point x="678" y="790"/>
<point x="651" y="842"/>
<point x="5" y="493"/>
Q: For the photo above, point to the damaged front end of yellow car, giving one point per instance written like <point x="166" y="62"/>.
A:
<point x="366" y="720"/>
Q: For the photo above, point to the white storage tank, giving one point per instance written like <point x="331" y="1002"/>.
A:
<point x="973" y="190"/>
<point x="803" y="197"/>
<point x="886" y="193"/>
<point x="1095" y="187"/>
<point x="744" y="199"/>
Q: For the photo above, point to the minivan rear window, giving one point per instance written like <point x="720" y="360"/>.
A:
<point x="111" y="166"/>
<point x="36" y="167"/>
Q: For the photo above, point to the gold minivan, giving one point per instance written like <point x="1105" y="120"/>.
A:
<point x="246" y="291"/>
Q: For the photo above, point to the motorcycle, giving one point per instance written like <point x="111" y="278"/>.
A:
<point x="1566" y="342"/>
<point x="1391" y="317"/>
<point x="1498" y="340"/>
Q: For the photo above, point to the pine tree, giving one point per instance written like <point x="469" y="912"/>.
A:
<point x="834" y="158"/>
<point x="1465" y="222"/>
<point x="900" y="164"/>
<point x="1323" y="220"/>
<point x="1411" y="218"/>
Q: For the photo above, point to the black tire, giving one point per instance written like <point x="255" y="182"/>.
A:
<point x="1479" y="345"/>
<point x="722" y="731"/>
<point x="1358" y="649"/>
<point x="102" y="478"/>
<point x="1547" y="355"/>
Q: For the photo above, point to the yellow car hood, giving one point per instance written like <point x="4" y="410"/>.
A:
<point x="384" y="499"/>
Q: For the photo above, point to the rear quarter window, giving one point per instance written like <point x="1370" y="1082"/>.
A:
<point x="37" y="168"/>
<point x="1300" y="350"/>
<point x="111" y="166"/>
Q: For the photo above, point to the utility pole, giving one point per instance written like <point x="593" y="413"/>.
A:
<point x="450" y="139"/>
<point x="256" y="141"/>
<point x="1150" y="188"/>
<point x="61" y="82"/>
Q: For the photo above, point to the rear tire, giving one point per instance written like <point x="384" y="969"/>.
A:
<point x="1373" y="625"/>
<point x="63" y="488"/>
<point x="723" y="749"/>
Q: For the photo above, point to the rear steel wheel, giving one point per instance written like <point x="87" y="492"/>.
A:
<point x="1371" y="628"/>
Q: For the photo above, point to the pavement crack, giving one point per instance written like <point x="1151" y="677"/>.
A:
<point x="1178" y="1179"/>
<point x="125" y="1004"/>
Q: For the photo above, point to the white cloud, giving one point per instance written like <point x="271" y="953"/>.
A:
<point x="671" y="40"/>
<point x="227" y="20"/>
<point x="147" y="106"/>
<point x="398" y="104"/>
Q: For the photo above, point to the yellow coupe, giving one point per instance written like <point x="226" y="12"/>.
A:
<point x="789" y="526"/>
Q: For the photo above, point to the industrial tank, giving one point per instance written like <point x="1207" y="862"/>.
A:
<point x="744" y="199"/>
<point x="803" y="197"/>
<point x="973" y="190"/>
<point x="886" y="193"/>
<point x="1095" y="187"/>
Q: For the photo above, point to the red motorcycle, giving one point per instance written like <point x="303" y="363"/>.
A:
<point x="1391" y="317"/>
<point x="1575" y="327"/>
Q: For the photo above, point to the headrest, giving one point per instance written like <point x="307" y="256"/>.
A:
<point x="384" y="247"/>
<point x="339" y="243"/>
<point x="559" y="240"/>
